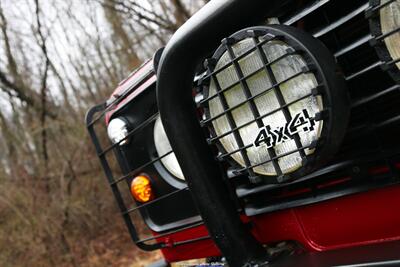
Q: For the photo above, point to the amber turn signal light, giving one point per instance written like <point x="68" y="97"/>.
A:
<point x="141" y="189"/>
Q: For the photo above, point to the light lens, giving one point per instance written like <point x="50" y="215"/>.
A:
<point x="291" y="88"/>
<point x="141" y="189"/>
<point x="117" y="130"/>
<point x="163" y="147"/>
<point x="390" y="21"/>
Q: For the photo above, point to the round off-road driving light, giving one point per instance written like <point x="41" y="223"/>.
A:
<point x="385" y="29"/>
<point x="163" y="147"/>
<point x="117" y="131"/>
<point x="274" y="102"/>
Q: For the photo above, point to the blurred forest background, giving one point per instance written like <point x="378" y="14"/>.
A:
<point x="58" y="58"/>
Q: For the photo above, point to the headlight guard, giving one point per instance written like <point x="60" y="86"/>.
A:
<point x="327" y="120"/>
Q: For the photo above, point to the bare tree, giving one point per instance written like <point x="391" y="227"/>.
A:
<point x="58" y="58"/>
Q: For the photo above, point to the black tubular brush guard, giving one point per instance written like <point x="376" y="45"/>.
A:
<point x="187" y="48"/>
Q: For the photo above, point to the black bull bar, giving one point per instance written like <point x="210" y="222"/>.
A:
<point x="188" y="47"/>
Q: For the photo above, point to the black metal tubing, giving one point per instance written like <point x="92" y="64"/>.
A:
<point x="142" y="243"/>
<point x="197" y="38"/>
<point x="108" y="172"/>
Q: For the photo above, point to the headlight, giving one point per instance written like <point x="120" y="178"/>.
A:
<point x="385" y="28"/>
<point x="163" y="147"/>
<point x="291" y="90"/>
<point x="117" y="130"/>
<point x="267" y="97"/>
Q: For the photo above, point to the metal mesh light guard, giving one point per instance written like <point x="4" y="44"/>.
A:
<point x="268" y="102"/>
<point x="384" y="18"/>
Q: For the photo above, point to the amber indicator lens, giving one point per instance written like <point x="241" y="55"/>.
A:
<point x="141" y="189"/>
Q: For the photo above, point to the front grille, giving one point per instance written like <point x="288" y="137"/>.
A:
<point x="369" y="155"/>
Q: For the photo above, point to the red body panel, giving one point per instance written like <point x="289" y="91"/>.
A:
<point x="128" y="83"/>
<point x="353" y="220"/>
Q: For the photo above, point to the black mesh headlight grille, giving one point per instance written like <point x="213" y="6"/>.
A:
<point x="270" y="95"/>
